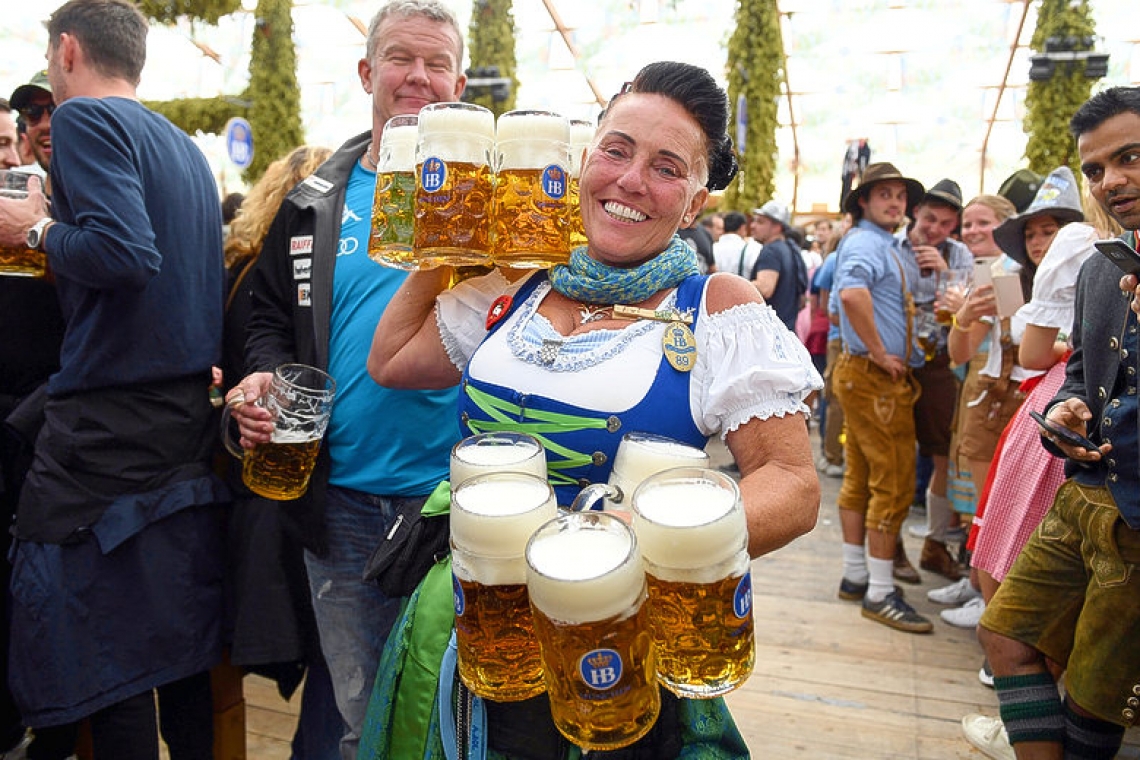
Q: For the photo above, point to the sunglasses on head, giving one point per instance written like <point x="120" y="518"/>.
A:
<point x="33" y="113"/>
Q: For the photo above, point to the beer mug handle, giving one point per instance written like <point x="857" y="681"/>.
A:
<point x="227" y="439"/>
<point x="589" y="496"/>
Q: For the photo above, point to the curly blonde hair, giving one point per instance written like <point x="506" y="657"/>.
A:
<point x="247" y="232"/>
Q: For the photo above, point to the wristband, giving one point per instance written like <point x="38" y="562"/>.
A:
<point x="956" y="325"/>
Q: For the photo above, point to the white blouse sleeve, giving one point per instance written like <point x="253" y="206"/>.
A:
<point x="461" y="313"/>
<point x="1055" y="284"/>
<point x="748" y="365"/>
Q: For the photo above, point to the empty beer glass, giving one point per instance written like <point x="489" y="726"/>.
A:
<point x="640" y="455"/>
<point x="393" y="205"/>
<point x="581" y="135"/>
<point x="693" y="535"/>
<point x="300" y="398"/>
<point x="19" y="261"/>
<point x="505" y="451"/>
<point x="587" y="592"/>
<point x="531" y="189"/>
<point x="454" y="192"/>
<point x="492" y="516"/>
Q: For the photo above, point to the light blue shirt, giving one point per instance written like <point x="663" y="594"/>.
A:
<point x="869" y="258"/>
<point x="382" y="441"/>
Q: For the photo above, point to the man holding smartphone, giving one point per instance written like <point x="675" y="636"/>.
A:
<point x="1071" y="595"/>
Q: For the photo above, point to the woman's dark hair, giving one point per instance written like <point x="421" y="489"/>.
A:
<point x="698" y="93"/>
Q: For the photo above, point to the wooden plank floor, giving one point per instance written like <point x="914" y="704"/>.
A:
<point x="828" y="683"/>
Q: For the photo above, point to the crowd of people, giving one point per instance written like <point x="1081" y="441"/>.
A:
<point x="918" y="330"/>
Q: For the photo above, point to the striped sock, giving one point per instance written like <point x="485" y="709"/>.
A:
<point x="1090" y="738"/>
<point x="1030" y="708"/>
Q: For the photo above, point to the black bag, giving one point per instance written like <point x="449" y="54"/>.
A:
<point x="409" y="550"/>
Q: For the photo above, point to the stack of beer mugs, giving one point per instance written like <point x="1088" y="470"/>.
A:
<point x="588" y="608"/>
<point x="472" y="192"/>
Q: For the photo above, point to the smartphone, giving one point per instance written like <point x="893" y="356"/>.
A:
<point x="1121" y="254"/>
<point x="1066" y="435"/>
<point x="983" y="273"/>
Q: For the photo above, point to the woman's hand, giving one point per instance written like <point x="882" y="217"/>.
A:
<point x="980" y="302"/>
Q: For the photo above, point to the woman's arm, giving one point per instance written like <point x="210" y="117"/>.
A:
<point x="407" y="350"/>
<point x="1040" y="348"/>
<point x="969" y="331"/>
<point x="778" y="483"/>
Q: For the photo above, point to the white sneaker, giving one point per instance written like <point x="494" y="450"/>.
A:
<point x="833" y="471"/>
<point x="958" y="592"/>
<point x="966" y="616"/>
<point x="988" y="734"/>
<point x="918" y="530"/>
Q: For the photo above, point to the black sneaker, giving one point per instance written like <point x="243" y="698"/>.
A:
<point x="850" y="591"/>
<point x="896" y="613"/>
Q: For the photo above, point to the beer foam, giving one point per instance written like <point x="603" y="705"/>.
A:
<point x="582" y="575"/>
<point x="505" y="456"/>
<point x="398" y="148"/>
<point x="581" y="135"/>
<point x="488" y="571"/>
<point x="532" y="126"/>
<point x="642" y="456"/>
<point x="292" y="436"/>
<point x="688" y="523"/>
<point x="458" y="121"/>
<point x="496" y="517"/>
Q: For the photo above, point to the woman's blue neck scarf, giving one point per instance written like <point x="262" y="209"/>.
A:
<point x="589" y="281"/>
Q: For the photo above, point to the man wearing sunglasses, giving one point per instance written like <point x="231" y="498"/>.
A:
<point x="33" y="101"/>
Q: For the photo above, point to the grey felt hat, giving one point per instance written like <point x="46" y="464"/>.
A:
<point x="1057" y="197"/>
<point x="945" y="191"/>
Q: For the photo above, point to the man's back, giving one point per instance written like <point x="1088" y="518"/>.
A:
<point x="139" y="268"/>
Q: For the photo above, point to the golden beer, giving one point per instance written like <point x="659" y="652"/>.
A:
<point x="492" y="517"/>
<point x="393" y="204"/>
<point x="454" y="185"/>
<point x="943" y="315"/>
<point x="694" y="537"/>
<point x="280" y="470"/>
<point x="453" y="218"/>
<point x="587" y="592"/>
<point x="531" y="224"/>
<point x="531" y="187"/>
<point x="19" y="261"/>
<point x="22" y="262"/>
<point x="393" y="220"/>
<point x="581" y="135"/>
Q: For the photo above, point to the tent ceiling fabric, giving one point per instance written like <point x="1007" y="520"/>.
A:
<point x="918" y="78"/>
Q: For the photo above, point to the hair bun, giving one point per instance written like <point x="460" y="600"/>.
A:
<point x="722" y="165"/>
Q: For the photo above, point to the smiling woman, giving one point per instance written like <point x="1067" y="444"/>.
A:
<point x="627" y="337"/>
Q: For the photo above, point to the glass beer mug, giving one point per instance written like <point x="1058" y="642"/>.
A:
<point x="531" y="189"/>
<point x="19" y="261"/>
<point x="393" y="206"/>
<point x="691" y="527"/>
<point x="505" y="451"/>
<point x="300" y="399"/>
<point x="454" y="188"/>
<point x="581" y="135"/>
<point x="492" y="516"/>
<point x="587" y="592"/>
<point x="640" y="455"/>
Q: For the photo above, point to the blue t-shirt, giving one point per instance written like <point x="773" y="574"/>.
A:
<point x="382" y="441"/>
<point x="824" y="280"/>
<point x="869" y="258"/>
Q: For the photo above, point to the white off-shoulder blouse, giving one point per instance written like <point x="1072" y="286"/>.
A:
<point x="749" y="365"/>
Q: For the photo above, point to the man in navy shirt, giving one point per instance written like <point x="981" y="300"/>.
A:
<point x="116" y="587"/>
<point x="779" y="273"/>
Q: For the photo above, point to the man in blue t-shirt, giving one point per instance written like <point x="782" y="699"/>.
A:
<point x="317" y="298"/>
<point x="779" y="273"/>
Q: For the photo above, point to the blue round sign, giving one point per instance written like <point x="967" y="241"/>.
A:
<point x="239" y="142"/>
